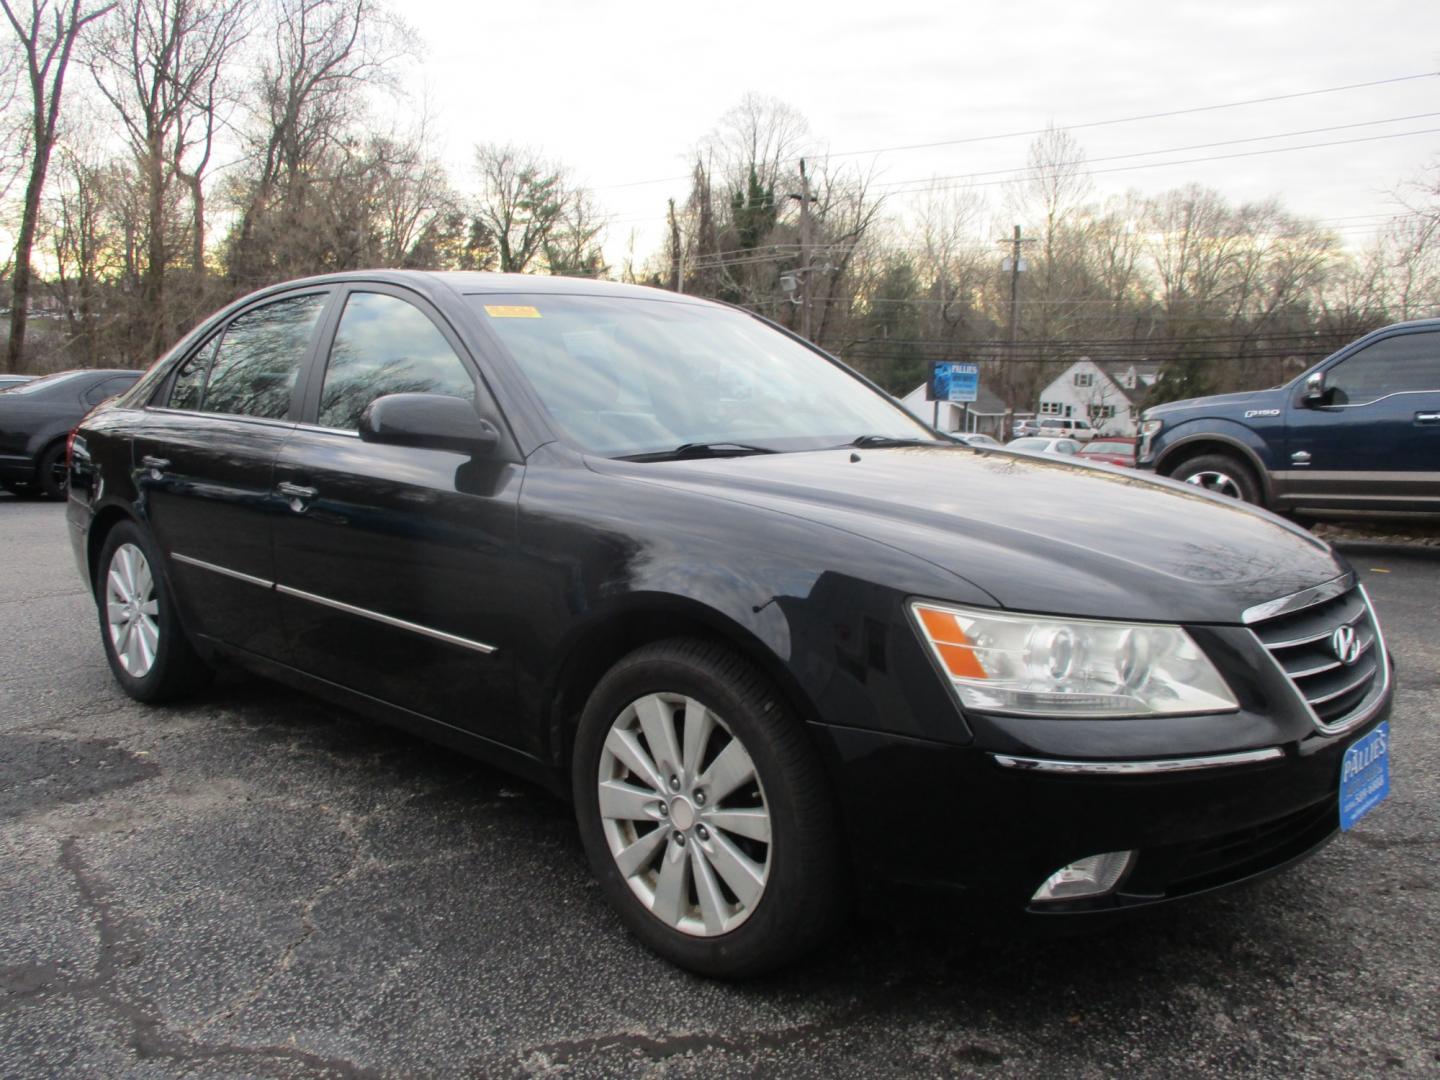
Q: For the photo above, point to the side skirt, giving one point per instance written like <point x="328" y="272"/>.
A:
<point x="436" y="731"/>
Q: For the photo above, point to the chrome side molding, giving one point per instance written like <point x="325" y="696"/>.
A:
<point x="1138" y="768"/>
<point x="338" y="605"/>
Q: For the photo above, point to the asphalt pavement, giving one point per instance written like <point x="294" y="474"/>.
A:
<point x="257" y="884"/>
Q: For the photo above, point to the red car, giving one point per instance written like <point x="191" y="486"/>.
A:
<point x="1111" y="449"/>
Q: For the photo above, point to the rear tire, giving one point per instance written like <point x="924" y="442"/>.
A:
<point x="704" y="811"/>
<point x="51" y="479"/>
<point x="146" y="646"/>
<point x="1224" y="474"/>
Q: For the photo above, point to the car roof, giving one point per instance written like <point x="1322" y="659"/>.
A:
<point x="468" y="282"/>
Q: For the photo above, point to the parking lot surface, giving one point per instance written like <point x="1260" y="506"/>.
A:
<point x="257" y="884"/>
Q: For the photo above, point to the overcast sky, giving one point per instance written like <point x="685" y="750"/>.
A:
<point x="622" y="92"/>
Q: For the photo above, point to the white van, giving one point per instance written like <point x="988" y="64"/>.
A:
<point x="1063" y="426"/>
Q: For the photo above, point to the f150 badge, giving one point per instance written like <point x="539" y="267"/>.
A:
<point x="1261" y="412"/>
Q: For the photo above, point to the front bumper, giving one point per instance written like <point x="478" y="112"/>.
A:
<point x="957" y="824"/>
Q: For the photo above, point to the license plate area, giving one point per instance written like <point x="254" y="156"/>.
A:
<point x="1364" y="776"/>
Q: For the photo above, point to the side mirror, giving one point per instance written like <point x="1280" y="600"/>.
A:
<point x="434" y="421"/>
<point x="1315" y="390"/>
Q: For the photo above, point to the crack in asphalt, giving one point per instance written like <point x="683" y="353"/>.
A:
<point x="351" y="826"/>
<point x="121" y="946"/>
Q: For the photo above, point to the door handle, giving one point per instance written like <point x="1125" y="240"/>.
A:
<point x="156" y="465"/>
<point x="1427" y="418"/>
<point x="297" y="494"/>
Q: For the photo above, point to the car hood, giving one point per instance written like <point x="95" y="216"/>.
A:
<point x="1223" y="404"/>
<point x="1036" y="533"/>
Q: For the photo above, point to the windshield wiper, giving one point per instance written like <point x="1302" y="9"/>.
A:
<point x="891" y="440"/>
<point x="700" y="450"/>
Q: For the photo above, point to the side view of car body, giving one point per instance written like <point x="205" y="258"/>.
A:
<point x="37" y="416"/>
<point x="1111" y="449"/>
<point x="783" y="646"/>
<point x="1044" y="444"/>
<point x="975" y="438"/>
<point x="1360" y="431"/>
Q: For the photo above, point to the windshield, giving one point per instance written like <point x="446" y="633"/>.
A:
<point x="44" y="383"/>
<point x="622" y="376"/>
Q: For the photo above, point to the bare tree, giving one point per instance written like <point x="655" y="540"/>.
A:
<point x="84" y="246"/>
<point x="529" y="214"/>
<point x="160" y="67"/>
<point x="316" y="65"/>
<point x="47" y="39"/>
<point x="1413" y="245"/>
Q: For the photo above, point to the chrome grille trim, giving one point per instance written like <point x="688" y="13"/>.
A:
<point x="1372" y="681"/>
<point x="1272" y="609"/>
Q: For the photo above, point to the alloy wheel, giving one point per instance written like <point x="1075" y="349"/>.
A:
<point x="1218" y="482"/>
<point x="684" y="814"/>
<point x="132" y="610"/>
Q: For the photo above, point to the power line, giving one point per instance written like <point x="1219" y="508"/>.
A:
<point x="1082" y="162"/>
<point x="1017" y="176"/>
<point x="1184" y="161"/>
<point x="1070" y="127"/>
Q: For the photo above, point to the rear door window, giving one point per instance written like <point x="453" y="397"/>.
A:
<point x="260" y="356"/>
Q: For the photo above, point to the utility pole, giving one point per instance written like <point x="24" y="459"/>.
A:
<point x="804" y="252"/>
<point x="1015" y="268"/>
<point x="677" y="253"/>
<point x="1014" y="291"/>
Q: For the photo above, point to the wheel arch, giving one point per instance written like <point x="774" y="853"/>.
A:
<point x="642" y="620"/>
<point x="101" y="525"/>
<point x="1193" y="446"/>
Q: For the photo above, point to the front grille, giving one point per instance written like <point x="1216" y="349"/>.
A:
<point x="1302" y="641"/>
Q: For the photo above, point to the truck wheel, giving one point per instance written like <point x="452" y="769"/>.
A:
<point x="1222" y="474"/>
<point x="704" y="812"/>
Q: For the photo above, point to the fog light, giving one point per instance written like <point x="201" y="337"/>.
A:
<point x="1094" y="875"/>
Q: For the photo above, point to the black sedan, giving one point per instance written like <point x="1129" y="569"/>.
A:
<point x="783" y="646"/>
<point x="36" y="418"/>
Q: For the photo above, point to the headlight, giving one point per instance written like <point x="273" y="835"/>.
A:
<point x="1148" y="430"/>
<point x="1030" y="665"/>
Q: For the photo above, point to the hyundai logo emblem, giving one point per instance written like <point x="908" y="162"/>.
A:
<point x="1345" y="643"/>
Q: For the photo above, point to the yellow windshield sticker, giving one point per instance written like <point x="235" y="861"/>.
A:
<point x="511" y="311"/>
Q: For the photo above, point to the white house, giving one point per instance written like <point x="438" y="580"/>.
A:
<point x="1107" y="393"/>
<point x="987" y="413"/>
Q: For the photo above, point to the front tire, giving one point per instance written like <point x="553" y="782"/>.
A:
<point x="147" y="649"/>
<point x="1223" y="474"/>
<point x="704" y="811"/>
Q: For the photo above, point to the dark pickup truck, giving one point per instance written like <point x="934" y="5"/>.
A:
<point x="1360" y="431"/>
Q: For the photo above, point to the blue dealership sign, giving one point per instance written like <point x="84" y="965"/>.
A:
<point x="1364" y="776"/>
<point x="950" y="381"/>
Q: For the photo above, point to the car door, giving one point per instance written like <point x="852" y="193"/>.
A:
<point x="204" y="465"/>
<point x="1373" y="441"/>
<point x="392" y="561"/>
